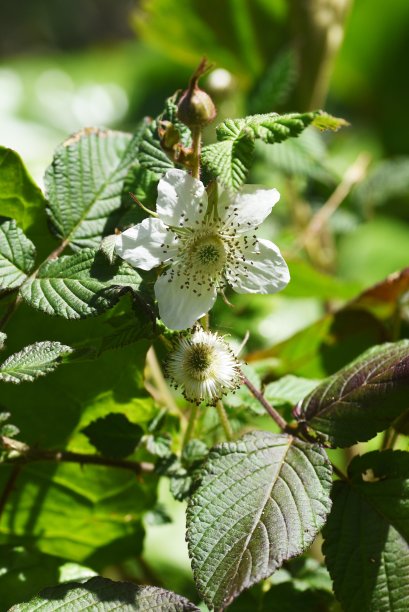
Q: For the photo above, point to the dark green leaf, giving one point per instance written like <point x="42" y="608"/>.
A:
<point x="363" y="398"/>
<point x="24" y="572"/>
<point x="88" y="514"/>
<point x="17" y="255"/>
<point x="79" y="285"/>
<point x="114" y="435"/>
<point x="84" y="185"/>
<point x="276" y="84"/>
<point x="367" y="534"/>
<point x="33" y="361"/>
<point x="261" y="501"/>
<point x="105" y="595"/>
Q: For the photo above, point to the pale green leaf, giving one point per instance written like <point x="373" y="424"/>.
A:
<point x="17" y="255"/>
<point x="367" y="534"/>
<point x="289" y="390"/>
<point x="231" y="163"/>
<point x="3" y="338"/>
<point x="84" y="185"/>
<point x="261" y="501"/>
<point x="79" y="285"/>
<point x="20" y="198"/>
<point x="33" y="361"/>
<point x="103" y="595"/>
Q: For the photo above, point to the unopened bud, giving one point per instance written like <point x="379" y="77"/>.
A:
<point x="195" y="107"/>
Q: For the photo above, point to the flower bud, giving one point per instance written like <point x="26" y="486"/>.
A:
<point x="195" y="107"/>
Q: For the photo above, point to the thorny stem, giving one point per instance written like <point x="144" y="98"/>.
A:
<point x="282" y="423"/>
<point x="27" y="454"/>
<point x="190" y="424"/>
<point x="13" y="306"/>
<point x="196" y="150"/>
<point x="224" y="421"/>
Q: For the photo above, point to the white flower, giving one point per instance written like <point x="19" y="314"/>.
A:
<point x="204" y="246"/>
<point x="204" y="366"/>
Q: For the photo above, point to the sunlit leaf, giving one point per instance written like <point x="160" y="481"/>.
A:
<point x="105" y="595"/>
<point x="17" y="255"/>
<point x="33" y="361"/>
<point x="261" y="500"/>
<point x="79" y="285"/>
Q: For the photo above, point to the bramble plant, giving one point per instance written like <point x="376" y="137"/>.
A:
<point x="105" y="313"/>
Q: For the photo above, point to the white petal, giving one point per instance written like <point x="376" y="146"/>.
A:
<point x="249" y="208"/>
<point x="179" y="305"/>
<point x="264" y="270"/>
<point x="182" y="200"/>
<point x="147" y="244"/>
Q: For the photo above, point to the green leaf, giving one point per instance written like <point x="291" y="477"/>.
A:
<point x="289" y="390"/>
<point x="114" y="435"/>
<point x="363" y="398"/>
<point x="367" y="534"/>
<point x="33" y="361"/>
<point x="20" y="198"/>
<point x="230" y="159"/>
<point x="276" y="84"/>
<point x="151" y="155"/>
<point x="304" y="156"/>
<point x="79" y="285"/>
<point x="3" y="338"/>
<point x="261" y="501"/>
<point x="87" y="514"/>
<point x="104" y="595"/>
<point x="17" y="255"/>
<point x="24" y="572"/>
<point x="389" y="180"/>
<point x="84" y="185"/>
<point x="306" y="281"/>
<point x="7" y="429"/>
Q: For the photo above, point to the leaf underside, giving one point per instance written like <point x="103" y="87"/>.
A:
<point x="363" y="398"/>
<point x="261" y="500"/>
<point x="367" y="534"/>
<point x="33" y="361"/>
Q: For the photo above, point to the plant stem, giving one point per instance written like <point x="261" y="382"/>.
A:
<point x="28" y="454"/>
<point x="190" y="424"/>
<point x="338" y="472"/>
<point x="196" y="150"/>
<point x="282" y="423"/>
<point x="8" y="489"/>
<point x="161" y="384"/>
<point x="224" y="421"/>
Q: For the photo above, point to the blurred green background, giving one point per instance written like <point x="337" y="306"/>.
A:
<point x="66" y="64"/>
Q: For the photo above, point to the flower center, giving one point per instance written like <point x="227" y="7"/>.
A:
<point x="208" y="254"/>
<point x="197" y="361"/>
